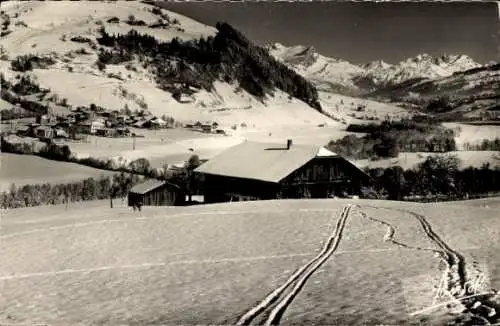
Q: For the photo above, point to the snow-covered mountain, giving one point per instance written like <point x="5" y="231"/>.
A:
<point x="420" y="66"/>
<point x="473" y="93"/>
<point x="341" y="75"/>
<point x="326" y="73"/>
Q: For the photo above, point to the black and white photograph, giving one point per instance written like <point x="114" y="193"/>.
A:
<point x="249" y="163"/>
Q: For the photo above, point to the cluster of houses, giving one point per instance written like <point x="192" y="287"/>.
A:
<point x="209" y="128"/>
<point x="83" y="121"/>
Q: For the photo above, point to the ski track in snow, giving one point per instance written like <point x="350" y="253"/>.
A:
<point x="483" y="306"/>
<point x="299" y="279"/>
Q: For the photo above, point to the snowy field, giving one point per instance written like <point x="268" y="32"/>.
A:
<point x="211" y="264"/>
<point x="473" y="134"/>
<point x="27" y="169"/>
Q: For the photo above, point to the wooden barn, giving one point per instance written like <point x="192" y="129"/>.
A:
<point x="156" y="193"/>
<point x="258" y="171"/>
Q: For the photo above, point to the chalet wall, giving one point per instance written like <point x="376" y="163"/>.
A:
<point x="222" y="189"/>
<point x="161" y="196"/>
<point x="321" y="178"/>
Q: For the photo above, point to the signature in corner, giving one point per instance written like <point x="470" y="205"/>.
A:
<point x="470" y="287"/>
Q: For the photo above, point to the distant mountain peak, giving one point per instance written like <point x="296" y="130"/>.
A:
<point x="330" y="71"/>
<point x="294" y="55"/>
<point x="443" y="59"/>
<point x="380" y="64"/>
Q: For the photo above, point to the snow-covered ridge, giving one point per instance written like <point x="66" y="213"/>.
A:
<point x="420" y="66"/>
<point x="324" y="70"/>
<point x="38" y="26"/>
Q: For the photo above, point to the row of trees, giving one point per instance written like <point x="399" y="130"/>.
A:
<point x="113" y="187"/>
<point x="15" y="113"/>
<point x="104" y="187"/>
<point x="28" y="62"/>
<point x="228" y="56"/>
<point x="14" y="92"/>
<point x="485" y="145"/>
<point x="436" y="176"/>
<point x="129" y="175"/>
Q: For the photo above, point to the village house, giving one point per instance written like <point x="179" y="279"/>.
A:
<point x="106" y="132"/>
<point x="140" y="124"/>
<point x="46" y="119"/>
<point x="32" y="129"/>
<point x="208" y="128"/>
<point x="145" y="122"/>
<point x="44" y="132"/>
<point x="82" y="127"/>
<point x="23" y="130"/>
<point x="122" y="118"/>
<point x="122" y="131"/>
<point x="158" y="123"/>
<point x="253" y="170"/>
<point x="96" y="124"/>
<point x="89" y="126"/>
<point x="60" y="133"/>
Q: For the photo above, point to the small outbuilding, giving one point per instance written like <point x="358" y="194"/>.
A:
<point x="156" y="193"/>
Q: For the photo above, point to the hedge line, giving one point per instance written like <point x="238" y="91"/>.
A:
<point x="52" y="194"/>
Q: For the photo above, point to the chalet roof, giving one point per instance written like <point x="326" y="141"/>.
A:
<point x="139" y="123"/>
<point x="159" y="122"/>
<point x="149" y="185"/>
<point x="262" y="161"/>
<point x="34" y="97"/>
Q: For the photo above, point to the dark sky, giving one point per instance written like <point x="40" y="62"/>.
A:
<point x="362" y="32"/>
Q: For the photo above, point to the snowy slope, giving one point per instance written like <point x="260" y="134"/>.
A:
<point x="46" y="28"/>
<point x="48" y="21"/>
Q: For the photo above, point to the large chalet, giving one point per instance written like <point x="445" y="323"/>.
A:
<point x="256" y="171"/>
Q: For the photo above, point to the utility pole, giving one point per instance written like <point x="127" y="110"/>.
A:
<point x="133" y="143"/>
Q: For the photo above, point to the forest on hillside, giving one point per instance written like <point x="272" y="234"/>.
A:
<point x="187" y="66"/>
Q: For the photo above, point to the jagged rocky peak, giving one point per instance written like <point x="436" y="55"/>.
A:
<point x="298" y="54"/>
<point x="379" y="64"/>
<point x="462" y="60"/>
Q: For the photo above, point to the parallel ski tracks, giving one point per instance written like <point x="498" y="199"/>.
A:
<point x="275" y="304"/>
